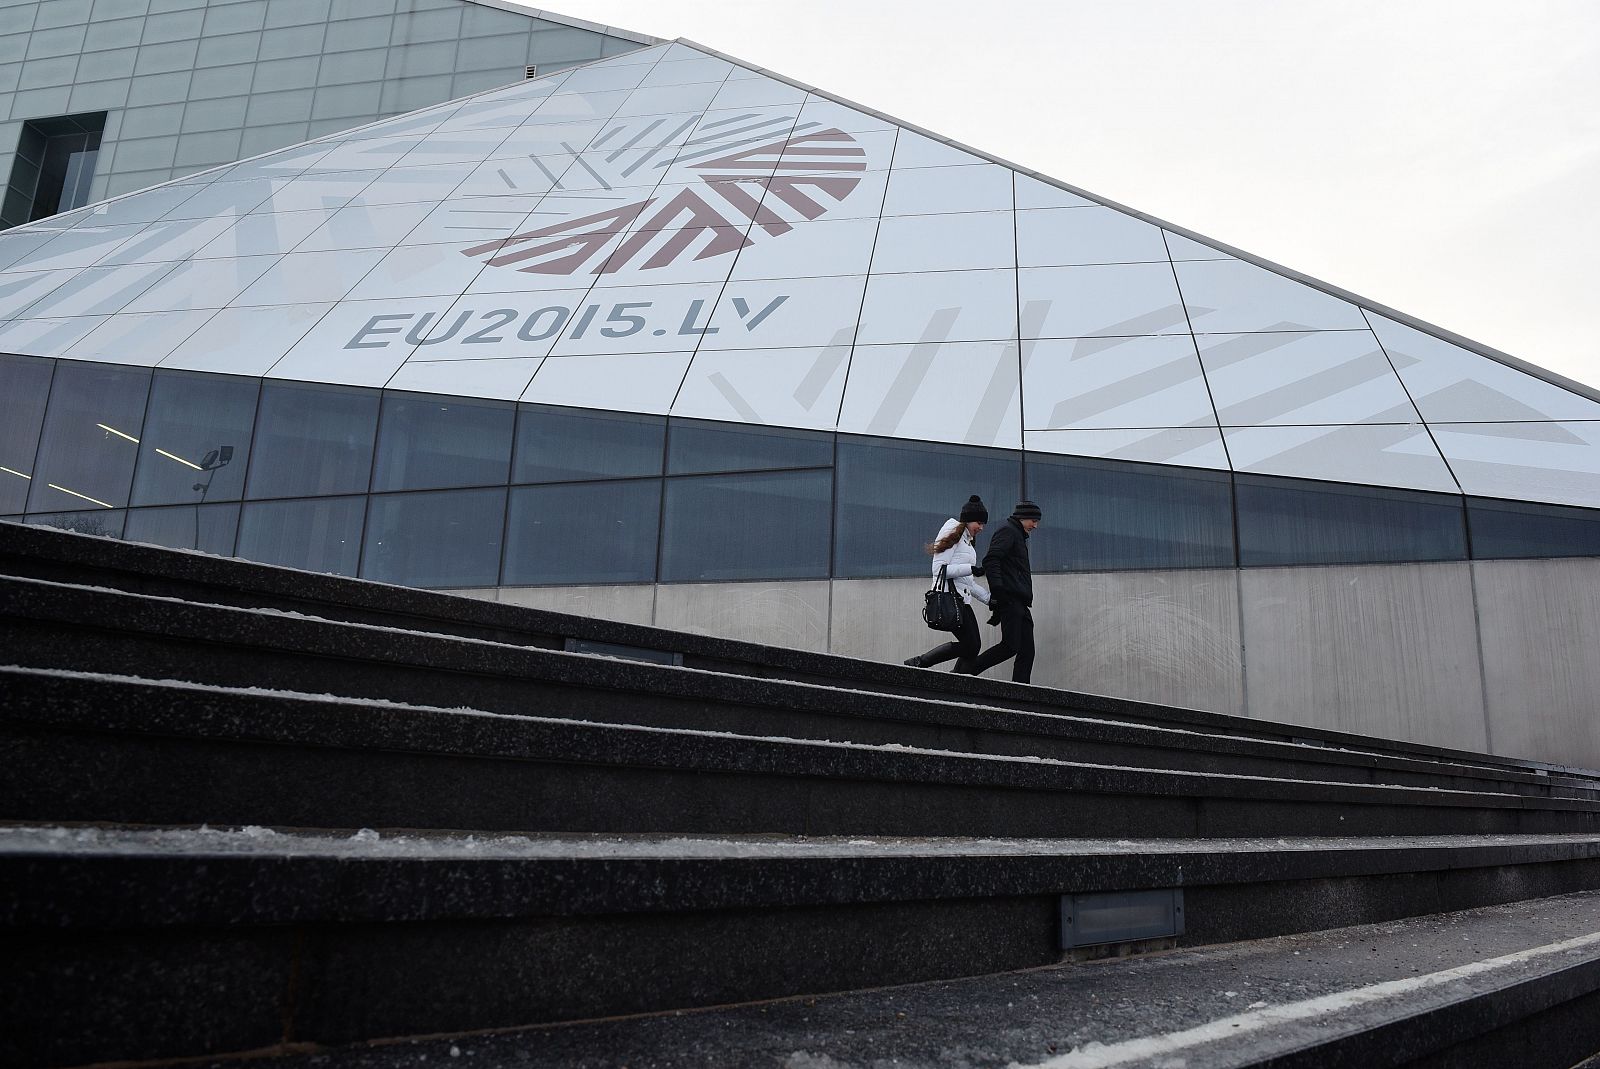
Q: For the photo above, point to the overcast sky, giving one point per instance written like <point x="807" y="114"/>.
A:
<point x="1441" y="157"/>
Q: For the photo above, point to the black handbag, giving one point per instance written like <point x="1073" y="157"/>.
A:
<point x="941" y="605"/>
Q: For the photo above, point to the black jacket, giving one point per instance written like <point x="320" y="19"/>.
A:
<point x="1006" y="565"/>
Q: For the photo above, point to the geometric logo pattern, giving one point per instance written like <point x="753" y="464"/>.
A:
<point x="801" y="171"/>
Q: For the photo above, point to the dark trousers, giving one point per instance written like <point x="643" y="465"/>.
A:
<point x="966" y="645"/>
<point x="1016" y="640"/>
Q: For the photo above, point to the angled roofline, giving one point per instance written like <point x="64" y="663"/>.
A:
<point x="568" y="20"/>
<point x="1552" y="377"/>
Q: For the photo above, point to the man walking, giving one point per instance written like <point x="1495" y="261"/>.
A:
<point x="1010" y="577"/>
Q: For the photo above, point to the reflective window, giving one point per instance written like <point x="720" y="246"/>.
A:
<point x="312" y="440"/>
<point x="893" y="498"/>
<point x="1287" y="521"/>
<point x="770" y="526"/>
<point x="196" y="441"/>
<point x="426" y="442"/>
<point x="320" y="535"/>
<point x="106" y="523"/>
<point x="24" y="386"/>
<point x="1105" y="515"/>
<point x="1523" y="529"/>
<point x="558" y="444"/>
<point x="207" y="528"/>
<point x="583" y="533"/>
<point x="449" y="539"/>
<point x="706" y="447"/>
<point x="91" y="437"/>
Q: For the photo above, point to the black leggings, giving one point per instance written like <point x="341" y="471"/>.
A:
<point x="966" y="645"/>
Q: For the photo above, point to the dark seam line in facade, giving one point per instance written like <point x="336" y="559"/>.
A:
<point x="1016" y="301"/>
<point x="650" y="153"/>
<point x="734" y="262"/>
<point x="866" y="278"/>
<point x="640" y="136"/>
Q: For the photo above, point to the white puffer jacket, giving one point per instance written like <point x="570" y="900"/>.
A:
<point x="960" y="560"/>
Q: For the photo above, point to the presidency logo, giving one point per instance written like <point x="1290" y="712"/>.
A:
<point x="734" y="181"/>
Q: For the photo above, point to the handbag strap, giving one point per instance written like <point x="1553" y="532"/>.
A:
<point x="942" y="581"/>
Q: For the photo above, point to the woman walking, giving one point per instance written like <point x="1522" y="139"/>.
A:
<point x="956" y="551"/>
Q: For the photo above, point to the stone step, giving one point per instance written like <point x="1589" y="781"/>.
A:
<point x="162" y="943"/>
<point x="64" y="556"/>
<point x="83" y="747"/>
<point x="52" y="624"/>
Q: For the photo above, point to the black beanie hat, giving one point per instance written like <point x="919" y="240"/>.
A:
<point x="1027" y="510"/>
<point x="973" y="510"/>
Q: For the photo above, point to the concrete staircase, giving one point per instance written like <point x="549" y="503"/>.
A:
<point x="246" y="808"/>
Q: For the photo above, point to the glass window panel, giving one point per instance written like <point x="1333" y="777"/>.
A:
<point x="772" y="526"/>
<point x="426" y="442"/>
<point x="938" y="306"/>
<point x="823" y="247"/>
<point x="708" y="447"/>
<point x="968" y="241"/>
<point x="934" y="190"/>
<point x="1107" y="300"/>
<point x="1528" y="461"/>
<point x="207" y="528"/>
<point x="449" y="539"/>
<point x="1057" y="237"/>
<point x="497" y="379"/>
<point x="1456" y="385"/>
<point x="916" y="150"/>
<point x="1503" y="529"/>
<point x="583" y="533"/>
<point x="248" y="341"/>
<point x="107" y="523"/>
<point x="1286" y="521"/>
<point x="320" y="536"/>
<point x="1231" y="296"/>
<point x="904" y="391"/>
<point x="1381" y="454"/>
<point x="196" y="441"/>
<point x="1182" y="248"/>
<point x="780" y="387"/>
<point x="1105" y="515"/>
<point x="894" y="496"/>
<point x="1190" y="447"/>
<point x="312" y="440"/>
<point x="24" y="387"/>
<point x="1285" y="377"/>
<point x="631" y="383"/>
<point x="1084" y="383"/>
<point x="91" y="437"/>
<point x="559" y="444"/>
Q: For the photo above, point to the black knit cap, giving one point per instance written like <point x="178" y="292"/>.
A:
<point x="974" y="510"/>
<point x="1027" y="510"/>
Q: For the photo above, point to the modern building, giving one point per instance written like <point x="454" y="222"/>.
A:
<point x="668" y="338"/>
<point x="102" y="97"/>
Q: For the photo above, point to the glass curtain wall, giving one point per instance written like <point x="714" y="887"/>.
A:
<point x="437" y="491"/>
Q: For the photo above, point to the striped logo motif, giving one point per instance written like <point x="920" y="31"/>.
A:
<point x="733" y="182"/>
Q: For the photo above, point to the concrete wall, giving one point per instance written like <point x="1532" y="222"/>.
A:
<point x="1498" y="656"/>
<point x="1388" y="650"/>
<point x="1540" y="624"/>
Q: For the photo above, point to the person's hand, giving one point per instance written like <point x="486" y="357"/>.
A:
<point x="977" y="569"/>
<point x="994" y="613"/>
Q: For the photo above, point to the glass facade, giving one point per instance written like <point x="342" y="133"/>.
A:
<point x="108" y="97"/>
<point x="436" y="491"/>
